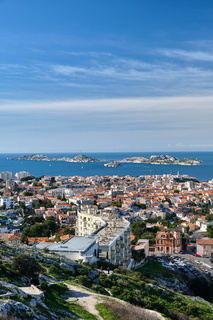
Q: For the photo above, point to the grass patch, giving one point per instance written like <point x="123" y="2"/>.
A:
<point x="152" y="268"/>
<point x="53" y="297"/>
<point x="72" y="283"/>
<point x="80" y="312"/>
<point x="105" y="312"/>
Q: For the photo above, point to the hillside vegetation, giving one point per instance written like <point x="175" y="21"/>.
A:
<point x="58" y="277"/>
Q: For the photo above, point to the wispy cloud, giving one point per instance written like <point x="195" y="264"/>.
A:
<point x="133" y="71"/>
<point x="94" y="54"/>
<point x="187" y="55"/>
<point x="167" y="104"/>
<point x="110" y="75"/>
<point x="12" y="68"/>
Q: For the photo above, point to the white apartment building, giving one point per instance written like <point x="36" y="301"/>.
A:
<point x="113" y="234"/>
<point x="22" y="174"/>
<point x="6" y="175"/>
<point x="204" y="225"/>
<point x="8" y="202"/>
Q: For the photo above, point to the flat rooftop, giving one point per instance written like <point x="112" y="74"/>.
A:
<point x="76" y="243"/>
<point x="112" y="230"/>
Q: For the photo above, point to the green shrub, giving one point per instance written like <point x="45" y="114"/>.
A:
<point x="115" y="290"/>
<point x="26" y="265"/>
<point x="100" y="289"/>
<point x="44" y="285"/>
<point x="104" y="280"/>
<point x="191" y="309"/>
<point x="81" y="271"/>
<point x="54" y="269"/>
<point x="83" y="280"/>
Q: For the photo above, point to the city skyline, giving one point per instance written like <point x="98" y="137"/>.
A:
<point x="106" y="76"/>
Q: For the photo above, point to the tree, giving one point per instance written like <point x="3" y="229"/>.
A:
<point x="28" y="193"/>
<point x="51" y="226"/>
<point x="45" y="229"/>
<point x="27" y="178"/>
<point x="138" y="228"/>
<point x="26" y="266"/>
<point x="32" y="220"/>
<point x="117" y="203"/>
<point x="68" y="230"/>
<point x="209" y="217"/>
<point x="141" y="205"/>
<point x="25" y="234"/>
<point x="210" y="231"/>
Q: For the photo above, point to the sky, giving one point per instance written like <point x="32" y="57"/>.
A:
<point x="106" y="76"/>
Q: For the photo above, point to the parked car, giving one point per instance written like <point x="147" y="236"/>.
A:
<point x="196" y="255"/>
<point x="181" y="251"/>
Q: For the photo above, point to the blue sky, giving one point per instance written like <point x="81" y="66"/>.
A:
<point x="106" y="75"/>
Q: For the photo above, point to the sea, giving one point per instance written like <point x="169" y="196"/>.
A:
<point x="203" y="172"/>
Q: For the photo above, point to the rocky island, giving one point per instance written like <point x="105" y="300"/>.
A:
<point x="113" y="164"/>
<point x="162" y="159"/>
<point x="154" y="159"/>
<point x="41" y="157"/>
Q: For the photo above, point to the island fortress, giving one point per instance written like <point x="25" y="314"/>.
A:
<point x="154" y="159"/>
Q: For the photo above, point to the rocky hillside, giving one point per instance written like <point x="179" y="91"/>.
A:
<point x="38" y="285"/>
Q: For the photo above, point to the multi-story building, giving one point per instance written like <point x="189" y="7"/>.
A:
<point x="89" y="223"/>
<point x="8" y="202"/>
<point x="205" y="247"/>
<point x="168" y="242"/>
<point x="113" y="234"/>
<point x="22" y="174"/>
<point x="10" y="184"/>
<point x="6" y="175"/>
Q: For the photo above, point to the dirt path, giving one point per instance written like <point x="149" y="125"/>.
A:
<point x="88" y="301"/>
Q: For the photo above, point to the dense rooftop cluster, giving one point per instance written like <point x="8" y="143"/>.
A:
<point x="166" y="201"/>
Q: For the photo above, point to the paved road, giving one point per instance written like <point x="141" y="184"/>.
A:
<point x="190" y="257"/>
